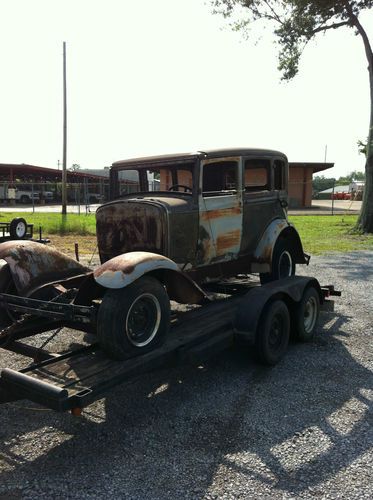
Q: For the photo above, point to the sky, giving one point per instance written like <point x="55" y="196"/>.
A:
<point x="167" y="76"/>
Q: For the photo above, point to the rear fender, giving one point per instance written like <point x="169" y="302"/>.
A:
<point x="124" y="269"/>
<point x="32" y="264"/>
<point x="278" y="228"/>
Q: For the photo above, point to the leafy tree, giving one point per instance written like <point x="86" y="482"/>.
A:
<point x="320" y="183"/>
<point x="362" y="147"/>
<point x="297" y="22"/>
<point x="74" y="167"/>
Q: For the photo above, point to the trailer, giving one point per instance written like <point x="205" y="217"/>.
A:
<point x="19" y="229"/>
<point x="239" y="310"/>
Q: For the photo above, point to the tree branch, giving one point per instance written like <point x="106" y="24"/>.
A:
<point x="331" y="26"/>
<point x="274" y="16"/>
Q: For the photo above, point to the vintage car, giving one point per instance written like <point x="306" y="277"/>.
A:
<point x="189" y="222"/>
<point x="216" y="214"/>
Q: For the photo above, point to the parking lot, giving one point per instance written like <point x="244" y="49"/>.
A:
<point x="225" y="429"/>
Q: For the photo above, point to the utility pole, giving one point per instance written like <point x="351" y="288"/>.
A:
<point x="64" y="176"/>
<point x="326" y="152"/>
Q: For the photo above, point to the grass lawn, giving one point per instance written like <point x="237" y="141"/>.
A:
<point x="319" y="233"/>
<point x="325" y="233"/>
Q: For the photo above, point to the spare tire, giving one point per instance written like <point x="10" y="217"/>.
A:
<point x="18" y="228"/>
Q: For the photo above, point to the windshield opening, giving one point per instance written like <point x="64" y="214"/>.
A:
<point x="172" y="178"/>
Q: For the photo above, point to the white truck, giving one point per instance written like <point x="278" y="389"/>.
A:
<point x="23" y="195"/>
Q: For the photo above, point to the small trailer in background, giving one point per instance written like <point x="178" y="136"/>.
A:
<point x="19" y="229"/>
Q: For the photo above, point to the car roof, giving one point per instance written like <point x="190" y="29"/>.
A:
<point x="185" y="157"/>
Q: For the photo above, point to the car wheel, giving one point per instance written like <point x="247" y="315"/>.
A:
<point x="25" y="199"/>
<point x="133" y="320"/>
<point x="283" y="263"/>
<point x="18" y="228"/>
<point x="306" y="315"/>
<point x="273" y="332"/>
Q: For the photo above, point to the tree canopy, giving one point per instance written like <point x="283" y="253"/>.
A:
<point x="295" y="23"/>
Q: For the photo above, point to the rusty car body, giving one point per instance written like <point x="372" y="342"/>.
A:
<point x="216" y="213"/>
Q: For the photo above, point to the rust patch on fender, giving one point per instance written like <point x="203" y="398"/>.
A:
<point x="126" y="263"/>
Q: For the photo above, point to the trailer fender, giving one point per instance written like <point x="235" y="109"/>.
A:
<point x="278" y="228"/>
<point x="32" y="264"/>
<point x="122" y="270"/>
<point x="290" y="290"/>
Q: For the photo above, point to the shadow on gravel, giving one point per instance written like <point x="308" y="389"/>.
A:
<point x="175" y="432"/>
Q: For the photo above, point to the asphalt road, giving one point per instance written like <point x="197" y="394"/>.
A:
<point x="225" y="430"/>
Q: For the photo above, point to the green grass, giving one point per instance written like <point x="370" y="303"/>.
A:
<point x="319" y="233"/>
<point x="324" y="233"/>
<point x="53" y="223"/>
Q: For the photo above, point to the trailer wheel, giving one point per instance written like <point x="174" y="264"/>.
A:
<point x="272" y="336"/>
<point x="283" y="263"/>
<point x="133" y="320"/>
<point x="18" y="228"/>
<point x="306" y="315"/>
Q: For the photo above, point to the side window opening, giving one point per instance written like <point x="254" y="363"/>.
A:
<point x="257" y="174"/>
<point x="219" y="178"/>
<point x="279" y="175"/>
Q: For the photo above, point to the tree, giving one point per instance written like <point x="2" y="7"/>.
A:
<point x="74" y="167"/>
<point x="297" y="22"/>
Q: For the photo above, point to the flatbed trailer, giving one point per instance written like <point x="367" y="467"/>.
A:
<point x="75" y="379"/>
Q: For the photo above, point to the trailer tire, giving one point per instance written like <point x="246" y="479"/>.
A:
<point x="133" y="320"/>
<point x="273" y="333"/>
<point x="18" y="228"/>
<point x="283" y="262"/>
<point x="306" y="314"/>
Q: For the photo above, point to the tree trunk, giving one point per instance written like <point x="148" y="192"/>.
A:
<point x="365" y="222"/>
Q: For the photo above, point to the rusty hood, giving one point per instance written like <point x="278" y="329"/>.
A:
<point x="131" y="225"/>
<point x="32" y="264"/>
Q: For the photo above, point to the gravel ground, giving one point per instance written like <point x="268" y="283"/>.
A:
<point x="228" y="429"/>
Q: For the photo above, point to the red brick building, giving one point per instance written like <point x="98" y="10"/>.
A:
<point x="300" y="182"/>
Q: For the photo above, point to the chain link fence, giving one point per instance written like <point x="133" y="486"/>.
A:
<point x="85" y="197"/>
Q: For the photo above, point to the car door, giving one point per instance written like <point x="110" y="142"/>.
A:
<point x="220" y="210"/>
<point x="264" y="192"/>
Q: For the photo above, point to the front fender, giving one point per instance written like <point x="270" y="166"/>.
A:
<point x="124" y="269"/>
<point x="32" y="264"/>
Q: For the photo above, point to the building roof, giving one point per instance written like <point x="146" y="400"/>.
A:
<point x="24" y="169"/>
<point x="316" y="166"/>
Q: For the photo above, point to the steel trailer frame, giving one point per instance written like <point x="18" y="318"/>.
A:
<point x="75" y="379"/>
